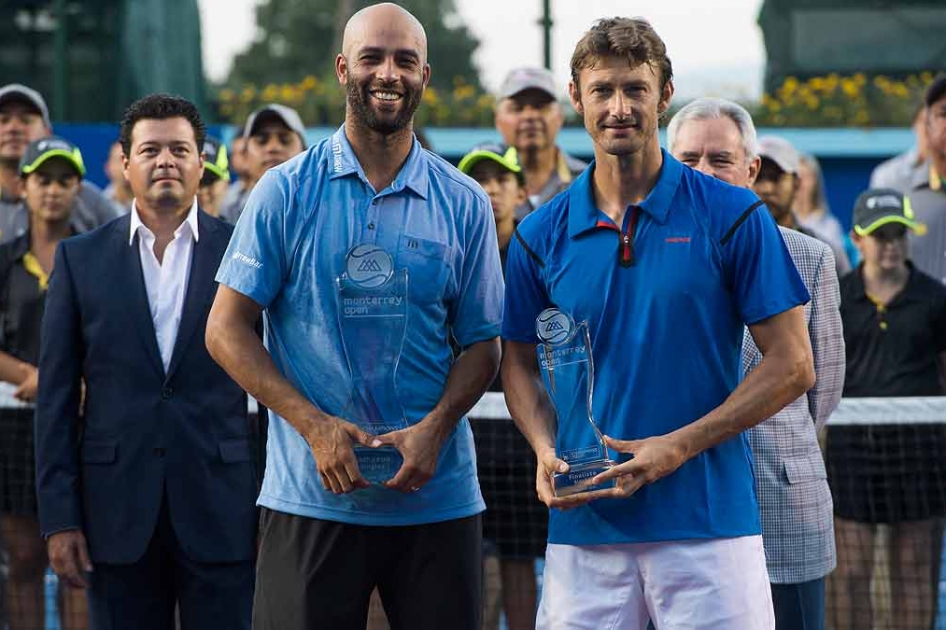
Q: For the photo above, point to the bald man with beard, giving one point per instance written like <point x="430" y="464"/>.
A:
<point x="333" y="528"/>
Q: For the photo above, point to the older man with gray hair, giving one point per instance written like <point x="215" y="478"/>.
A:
<point x="717" y="137"/>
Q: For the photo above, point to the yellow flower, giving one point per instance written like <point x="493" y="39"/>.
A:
<point x="926" y="77"/>
<point x="789" y="85"/>
<point x="270" y="92"/>
<point x="860" y="79"/>
<point x="309" y="82"/>
<point x="851" y="88"/>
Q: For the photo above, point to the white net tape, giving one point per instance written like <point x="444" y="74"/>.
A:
<point x="851" y="411"/>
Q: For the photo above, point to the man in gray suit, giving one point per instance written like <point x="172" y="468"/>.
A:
<point x="718" y="137"/>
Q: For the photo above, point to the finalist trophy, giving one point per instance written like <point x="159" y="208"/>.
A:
<point x="372" y="315"/>
<point x="568" y="372"/>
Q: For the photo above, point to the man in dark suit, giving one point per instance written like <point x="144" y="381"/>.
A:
<point x="146" y="498"/>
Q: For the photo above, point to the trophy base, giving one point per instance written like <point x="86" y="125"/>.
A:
<point x="579" y="476"/>
<point x="378" y="465"/>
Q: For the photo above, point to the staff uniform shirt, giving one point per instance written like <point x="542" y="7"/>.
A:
<point x="23" y="285"/>
<point x="892" y="349"/>
<point x="666" y="315"/>
<point x="289" y="247"/>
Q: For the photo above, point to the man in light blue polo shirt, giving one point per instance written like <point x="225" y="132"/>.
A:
<point x="328" y="536"/>
<point x="665" y="265"/>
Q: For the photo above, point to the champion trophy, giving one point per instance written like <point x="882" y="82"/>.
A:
<point x="372" y="315"/>
<point x="567" y="368"/>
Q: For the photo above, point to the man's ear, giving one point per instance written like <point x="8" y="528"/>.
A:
<point x="341" y="69"/>
<point x="666" y="95"/>
<point x="755" y="164"/>
<point x="574" y="95"/>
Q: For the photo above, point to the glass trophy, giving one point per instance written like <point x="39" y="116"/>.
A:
<point x="372" y="314"/>
<point x="567" y="368"/>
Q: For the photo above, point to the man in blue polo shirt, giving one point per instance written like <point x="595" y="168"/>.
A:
<point x="328" y="536"/>
<point x="665" y="265"/>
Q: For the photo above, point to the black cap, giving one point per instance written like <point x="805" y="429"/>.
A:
<point x="877" y="207"/>
<point x="216" y="164"/>
<point x="936" y="90"/>
<point x="39" y="151"/>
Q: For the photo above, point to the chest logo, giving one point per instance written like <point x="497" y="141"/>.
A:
<point x="368" y="266"/>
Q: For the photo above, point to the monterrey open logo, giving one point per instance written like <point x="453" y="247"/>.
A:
<point x="553" y="326"/>
<point x="368" y="266"/>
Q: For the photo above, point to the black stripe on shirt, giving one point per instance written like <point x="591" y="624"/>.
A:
<point x="740" y="221"/>
<point x="525" y="246"/>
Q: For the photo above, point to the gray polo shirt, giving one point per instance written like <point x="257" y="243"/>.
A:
<point x="928" y="198"/>
<point x="567" y="168"/>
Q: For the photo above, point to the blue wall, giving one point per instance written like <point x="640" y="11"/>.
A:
<point x="847" y="155"/>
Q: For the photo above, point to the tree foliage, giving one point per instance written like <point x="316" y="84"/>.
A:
<point x="298" y="38"/>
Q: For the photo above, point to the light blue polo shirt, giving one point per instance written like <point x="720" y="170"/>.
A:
<point x="287" y="250"/>
<point x="666" y="327"/>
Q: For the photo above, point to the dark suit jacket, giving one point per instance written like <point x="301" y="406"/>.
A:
<point x="144" y="433"/>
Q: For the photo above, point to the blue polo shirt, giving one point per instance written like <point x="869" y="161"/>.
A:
<point x="666" y="314"/>
<point x="287" y="250"/>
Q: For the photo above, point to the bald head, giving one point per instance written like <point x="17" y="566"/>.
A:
<point x="385" y="22"/>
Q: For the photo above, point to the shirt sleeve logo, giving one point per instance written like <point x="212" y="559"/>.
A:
<point x="246" y="260"/>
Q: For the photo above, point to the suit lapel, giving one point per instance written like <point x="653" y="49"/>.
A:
<point x="132" y="283"/>
<point x="200" y="287"/>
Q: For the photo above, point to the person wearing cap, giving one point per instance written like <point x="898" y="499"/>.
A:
<point x="239" y="187"/>
<point x="777" y="184"/>
<point x="529" y="117"/>
<point x="515" y="520"/>
<point x="272" y="134"/>
<point x="216" y="178"/>
<point x="24" y="118"/>
<point x="894" y="318"/>
<point x="118" y="190"/>
<point x="717" y="137"/>
<point x="927" y="187"/>
<point x="51" y="170"/>
<point x="147" y="489"/>
<point x="329" y="537"/>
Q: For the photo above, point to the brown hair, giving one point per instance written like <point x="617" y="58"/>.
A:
<point x="631" y="38"/>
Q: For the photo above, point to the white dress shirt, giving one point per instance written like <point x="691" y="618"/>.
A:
<point x="166" y="282"/>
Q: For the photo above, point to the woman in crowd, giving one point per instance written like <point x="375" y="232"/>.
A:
<point x="52" y="171"/>
<point x="894" y="319"/>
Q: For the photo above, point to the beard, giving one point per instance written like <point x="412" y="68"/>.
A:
<point x="359" y="99"/>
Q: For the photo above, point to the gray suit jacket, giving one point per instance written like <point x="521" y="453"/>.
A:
<point x="797" y="519"/>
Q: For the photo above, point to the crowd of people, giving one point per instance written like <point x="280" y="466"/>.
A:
<point x="728" y="313"/>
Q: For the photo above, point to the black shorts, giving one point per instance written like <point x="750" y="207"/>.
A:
<point x="17" y="463"/>
<point x="887" y="473"/>
<point x="515" y="520"/>
<point x="314" y="574"/>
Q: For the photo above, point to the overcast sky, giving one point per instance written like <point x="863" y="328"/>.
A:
<point x="715" y="46"/>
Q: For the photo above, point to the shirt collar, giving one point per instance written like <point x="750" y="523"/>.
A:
<point x="909" y="291"/>
<point x="583" y="214"/>
<point x="342" y="161"/>
<point x="190" y="223"/>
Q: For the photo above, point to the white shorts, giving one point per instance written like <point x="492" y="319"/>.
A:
<point x="715" y="584"/>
